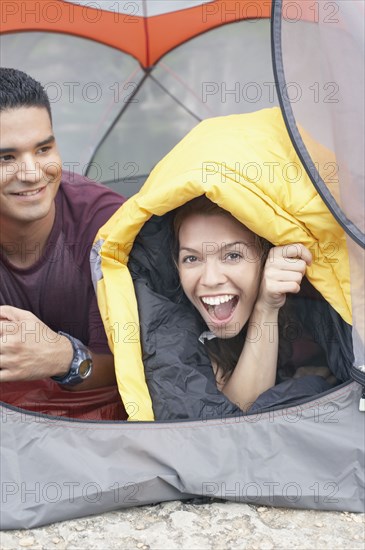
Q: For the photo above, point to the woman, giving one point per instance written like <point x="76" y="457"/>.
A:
<point x="163" y="371"/>
<point x="238" y="286"/>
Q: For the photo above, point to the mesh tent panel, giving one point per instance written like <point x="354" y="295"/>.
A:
<point x="326" y="116"/>
<point x="238" y="79"/>
<point x="84" y="101"/>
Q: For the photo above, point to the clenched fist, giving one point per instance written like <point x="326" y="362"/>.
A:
<point x="29" y="349"/>
<point x="283" y="272"/>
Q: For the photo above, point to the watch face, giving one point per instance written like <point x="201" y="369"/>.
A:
<point x="85" y="368"/>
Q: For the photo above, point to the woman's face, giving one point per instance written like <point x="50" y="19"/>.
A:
<point x="219" y="266"/>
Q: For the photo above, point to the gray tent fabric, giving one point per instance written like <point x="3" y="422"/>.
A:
<point x="55" y="469"/>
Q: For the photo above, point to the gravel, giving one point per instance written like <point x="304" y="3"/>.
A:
<point x="189" y="526"/>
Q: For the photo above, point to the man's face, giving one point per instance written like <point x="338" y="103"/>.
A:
<point x="30" y="165"/>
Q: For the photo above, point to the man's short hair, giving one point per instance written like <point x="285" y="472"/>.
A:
<point x="17" y="89"/>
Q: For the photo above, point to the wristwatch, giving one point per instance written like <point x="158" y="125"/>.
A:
<point x="81" y="364"/>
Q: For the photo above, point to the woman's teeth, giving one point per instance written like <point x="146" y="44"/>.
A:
<point x="216" y="300"/>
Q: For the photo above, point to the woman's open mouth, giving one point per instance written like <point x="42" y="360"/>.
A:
<point x="220" y="308"/>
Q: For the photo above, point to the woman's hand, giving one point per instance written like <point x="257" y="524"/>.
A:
<point x="283" y="272"/>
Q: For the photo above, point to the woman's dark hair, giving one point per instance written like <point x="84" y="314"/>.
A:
<point x="17" y="89"/>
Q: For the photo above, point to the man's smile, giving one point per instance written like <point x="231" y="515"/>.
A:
<point x="30" y="193"/>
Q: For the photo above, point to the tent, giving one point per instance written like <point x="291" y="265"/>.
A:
<point x="160" y="68"/>
<point x="143" y="87"/>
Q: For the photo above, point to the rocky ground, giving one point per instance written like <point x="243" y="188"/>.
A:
<point x="187" y="526"/>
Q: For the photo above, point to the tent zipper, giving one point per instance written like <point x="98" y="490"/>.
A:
<point x="362" y="400"/>
<point x="358" y="374"/>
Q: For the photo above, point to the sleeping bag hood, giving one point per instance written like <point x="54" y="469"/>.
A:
<point x="246" y="164"/>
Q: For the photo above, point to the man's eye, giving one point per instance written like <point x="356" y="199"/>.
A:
<point x="44" y="149"/>
<point x="6" y="158"/>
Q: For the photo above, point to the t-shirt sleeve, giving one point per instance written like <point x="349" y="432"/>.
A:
<point x="88" y="207"/>
<point x="98" y="342"/>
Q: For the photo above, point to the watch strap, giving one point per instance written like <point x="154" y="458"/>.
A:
<point x="80" y="355"/>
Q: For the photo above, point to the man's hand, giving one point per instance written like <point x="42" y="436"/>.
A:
<point x="29" y="349"/>
<point x="283" y="272"/>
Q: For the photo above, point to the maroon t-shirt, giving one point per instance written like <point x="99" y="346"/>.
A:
<point x="58" y="288"/>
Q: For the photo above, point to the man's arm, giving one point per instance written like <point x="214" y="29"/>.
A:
<point x="102" y="374"/>
<point x="30" y="350"/>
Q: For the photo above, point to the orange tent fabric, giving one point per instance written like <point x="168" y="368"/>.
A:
<point x="145" y="38"/>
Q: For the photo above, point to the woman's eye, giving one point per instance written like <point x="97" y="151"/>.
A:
<point x="189" y="259"/>
<point x="233" y="256"/>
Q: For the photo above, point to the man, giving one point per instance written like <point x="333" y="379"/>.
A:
<point x="52" y="338"/>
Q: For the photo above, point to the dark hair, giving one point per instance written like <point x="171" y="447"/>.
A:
<point x="17" y="89"/>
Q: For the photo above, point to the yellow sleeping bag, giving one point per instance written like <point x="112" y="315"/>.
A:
<point x="247" y="165"/>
